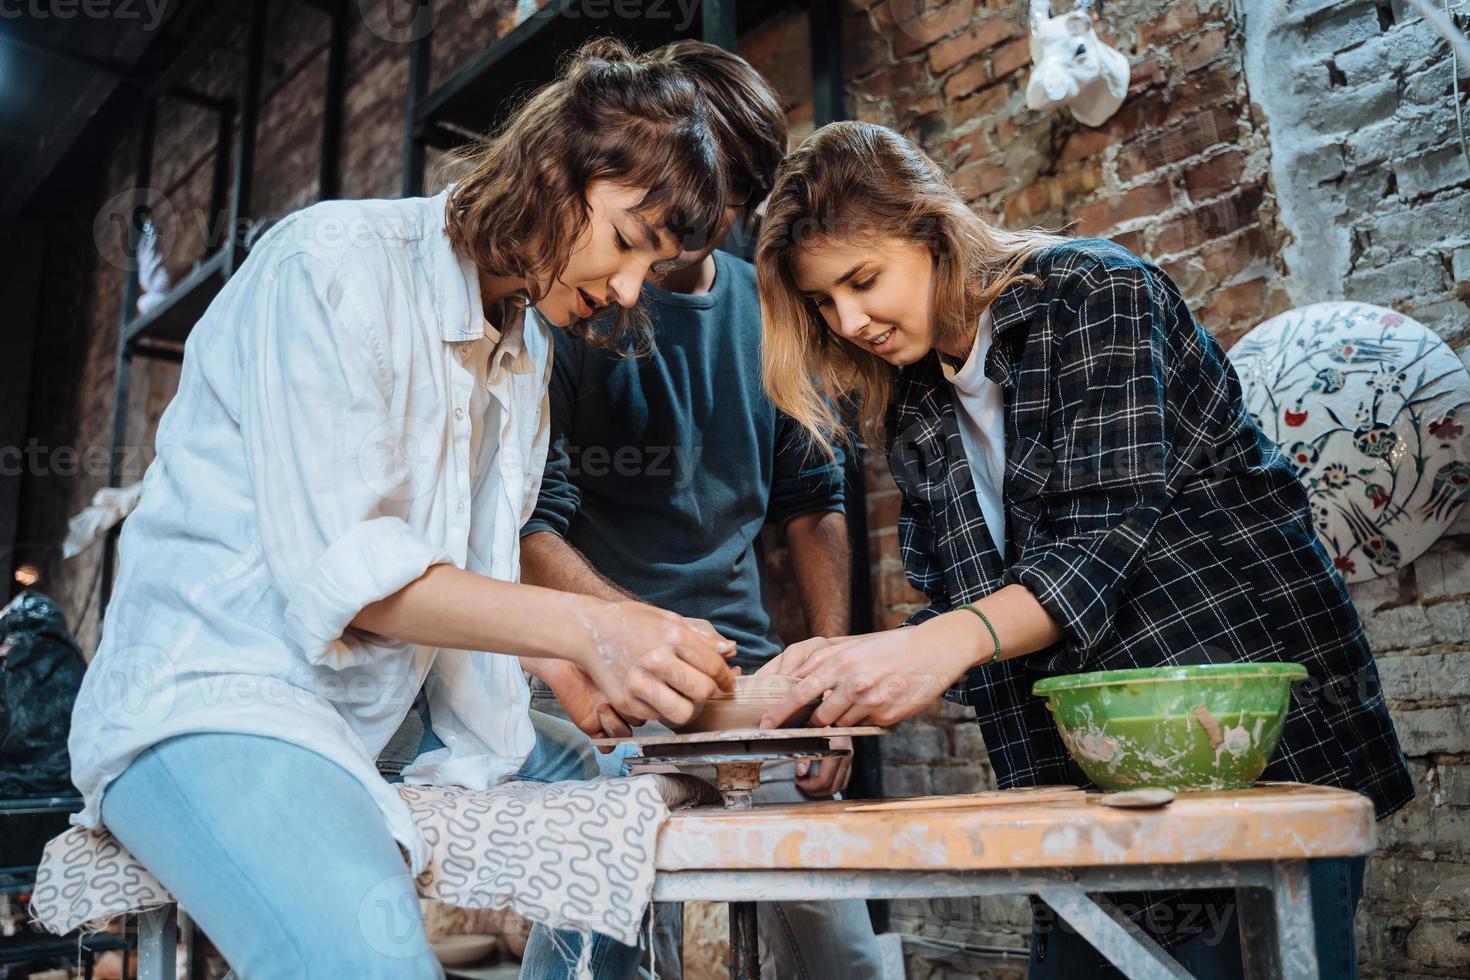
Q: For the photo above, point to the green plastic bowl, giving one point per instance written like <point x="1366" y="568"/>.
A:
<point x="1209" y="726"/>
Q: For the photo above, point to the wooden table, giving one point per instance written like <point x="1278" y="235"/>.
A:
<point x="1063" y="850"/>
<point x="1064" y="847"/>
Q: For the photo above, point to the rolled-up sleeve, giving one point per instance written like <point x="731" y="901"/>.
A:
<point x="333" y="472"/>
<point x="804" y="481"/>
<point x="1112" y="477"/>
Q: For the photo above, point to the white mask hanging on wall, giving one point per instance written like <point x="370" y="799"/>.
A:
<point x="1071" y="67"/>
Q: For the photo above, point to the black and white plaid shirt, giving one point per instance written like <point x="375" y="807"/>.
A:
<point x="1153" y="521"/>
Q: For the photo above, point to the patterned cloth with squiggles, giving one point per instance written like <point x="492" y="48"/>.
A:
<point x="572" y="855"/>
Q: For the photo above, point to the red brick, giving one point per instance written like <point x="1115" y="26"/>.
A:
<point x="892" y="79"/>
<point x="1225" y="260"/>
<point x="919" y="32"/>
<point x="1084" y="143"/>
<point x="1094" y="220"/>
<point x="1244" y="301"/>
<point x="1201" y="49"/>
<point x="883" y="544"/>
<point x="979" y="179"/>
<point x="1214" y="88"/>
<point x="1207" y="221"/>
<point x="1220" y="261"/>
<point x="966" y="80"/>
<point x="961" y="149"/>
<point x="1176" y="19"/>
<point x="1005" y="131"/>
<point x="911" y="108"/>
<point x="1131" y="240"/>
<point x="1215" y="176"/>
<point x="863" y="48"/>
<point x="908" y="10"/>
<point x="891" y="588"/>
<point x="987" y="34"/>
<point x="1012" y="55"/>
<point x="1146" y="74"/>
<point x="1057" y="191"/>
<point x="1192" y="136"/>
<point x="1135" y="115"/>
<point x="883" y="508"/>
<point x="876" y="476"/>
<point x="876" y="111"/>
<point x="958" y="113"/>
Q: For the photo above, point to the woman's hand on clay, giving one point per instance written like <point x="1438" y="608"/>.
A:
<point x="879" y="679"/>
<point x="649" y="662"/>
<point x="789" y="660"/>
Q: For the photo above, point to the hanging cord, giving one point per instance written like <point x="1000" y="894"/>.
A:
<point x="1459" y="49"/>
<point x="1459" y="108"/>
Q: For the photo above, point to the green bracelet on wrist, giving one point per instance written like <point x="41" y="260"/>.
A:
<point x="993" y="634"/>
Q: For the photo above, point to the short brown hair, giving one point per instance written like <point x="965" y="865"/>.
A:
<point x="748" y="118"/>
<point x="520" y="207"/>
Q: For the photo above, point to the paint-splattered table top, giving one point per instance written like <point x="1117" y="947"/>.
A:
<point x="1014" y="829"/>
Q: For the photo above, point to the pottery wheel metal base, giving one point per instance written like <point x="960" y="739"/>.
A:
<point x="737" y="756"/>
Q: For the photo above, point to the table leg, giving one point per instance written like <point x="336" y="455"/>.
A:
<point x="1133" y="951"/>
<point x="745" y="957"/>
<point x="158" y="943"/>
<point x="1256" y="918"/>
<point x="192" y="954"/>
<point x="1296" y="939"/>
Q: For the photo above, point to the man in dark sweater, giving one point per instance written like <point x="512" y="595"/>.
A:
<point x="662" y="472"/>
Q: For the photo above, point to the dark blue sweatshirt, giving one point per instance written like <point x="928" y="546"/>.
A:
<point x="664" y="468"/>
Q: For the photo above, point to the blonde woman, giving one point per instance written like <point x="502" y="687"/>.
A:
<point x="1082" y="490"/>
<point x="332" y="522"/>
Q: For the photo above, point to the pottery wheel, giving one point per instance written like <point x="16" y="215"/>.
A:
<point x="737" y="756"/>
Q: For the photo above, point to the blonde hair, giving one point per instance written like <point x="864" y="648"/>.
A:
<point x="858" y="182"/>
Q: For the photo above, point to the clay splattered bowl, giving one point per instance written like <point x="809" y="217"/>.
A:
<point x="742" y="708"/>
<point x="1208" y="726"/>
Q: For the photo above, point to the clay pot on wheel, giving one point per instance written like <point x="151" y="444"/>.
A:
<point x="754" y="695"/>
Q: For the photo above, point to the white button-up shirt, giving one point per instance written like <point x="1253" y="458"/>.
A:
<point x="345" y="419"/>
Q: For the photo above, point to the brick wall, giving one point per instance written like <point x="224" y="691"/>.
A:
<point x="1269" y="154"/>
<point x="1374" y="201"/>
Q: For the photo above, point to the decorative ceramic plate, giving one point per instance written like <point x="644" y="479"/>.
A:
<point x="1372" y="408"/>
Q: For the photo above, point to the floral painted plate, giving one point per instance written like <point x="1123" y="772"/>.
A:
<point x="1372" y="408"/>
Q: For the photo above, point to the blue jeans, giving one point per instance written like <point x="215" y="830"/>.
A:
<point x="278" y="854"/>
<point x="1337" y="885"/>
<point x="561" y="753"/>
<point x="283" y="859"/>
